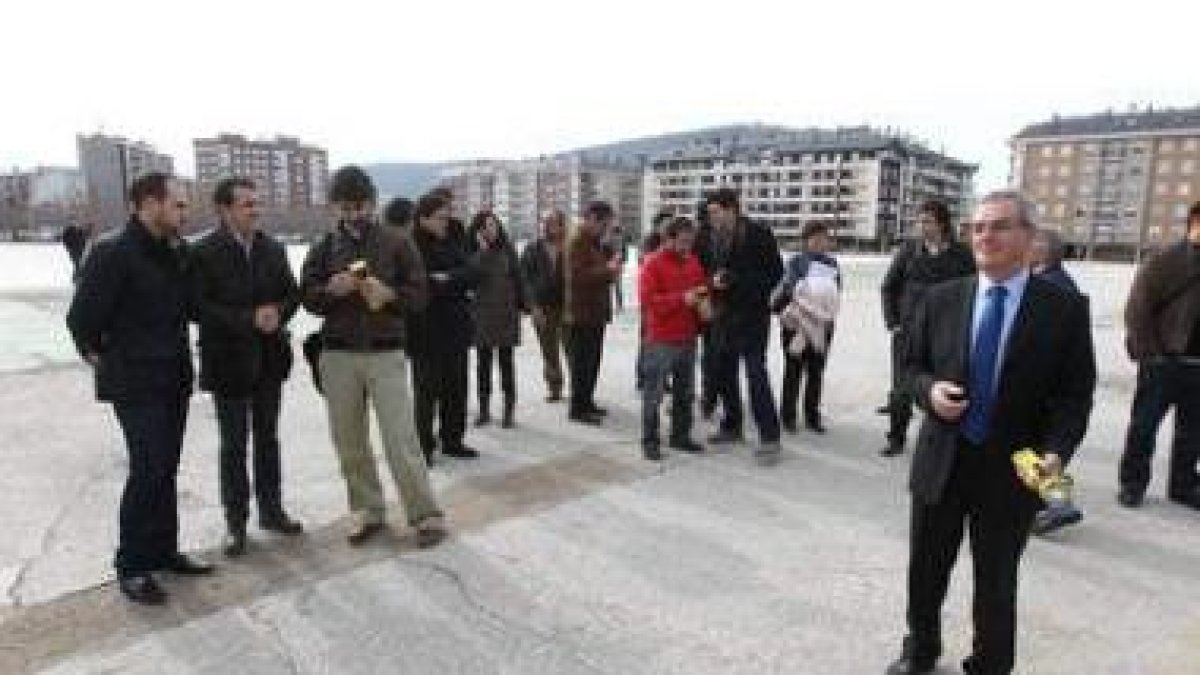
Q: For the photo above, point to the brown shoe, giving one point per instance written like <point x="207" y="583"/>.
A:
<point x="362" y="532"/>
<point x="431" y="531"/>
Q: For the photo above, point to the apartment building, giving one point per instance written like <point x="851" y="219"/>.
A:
<point x="1112" y="184"/>
<point x="109" y="165"/>
<point x="864" y="183"/>
<point x="288" y="173"/>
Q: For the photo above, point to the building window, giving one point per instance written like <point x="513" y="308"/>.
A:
<point x="1044" y="171"/>
<point x="1184" y="189"/>
<point x="1065" y="150"/>
<point x="1191" y="144"/>
<point x="1060" y="211"/>
<point x="1060" y="191"/>
<point x="1181" y="211"/>
<point x="1164" y="166"/>
<point x="1047" y="151"/>
<point x="1187" y="167"/>
<point x="1064" y="170"/>
<point x="1160" y="189"/>
<point x="1166" y="145"/>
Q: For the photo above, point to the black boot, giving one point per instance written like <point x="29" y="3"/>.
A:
<point x="484" y="417"/>
<point x="235" y="540"/>
<point x="510" y="405"/>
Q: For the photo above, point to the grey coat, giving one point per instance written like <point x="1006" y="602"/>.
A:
<point x="499" y="298"/>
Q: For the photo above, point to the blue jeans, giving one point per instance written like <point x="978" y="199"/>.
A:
<point x="744" y="339"/>
<point x="677" y="362"/>
<point x="1161" y="385"/>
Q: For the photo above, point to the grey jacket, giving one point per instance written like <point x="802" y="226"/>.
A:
<point x="1164" y="303"/>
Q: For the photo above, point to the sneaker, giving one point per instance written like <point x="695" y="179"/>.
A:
<point x="725" y="437"/>
<point x="1051" y="519"/>
<point x="431" y="531"/>
<point x="363" y="532"/>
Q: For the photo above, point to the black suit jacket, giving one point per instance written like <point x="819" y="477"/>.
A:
<point x="234" y="355"/>
<point x="1043" y="397"/>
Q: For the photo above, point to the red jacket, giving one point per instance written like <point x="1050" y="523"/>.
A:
<point x="662" y="281"/>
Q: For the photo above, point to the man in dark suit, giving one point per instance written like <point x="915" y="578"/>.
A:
<point x="998" y="362"/>
<point x="246" y="293"/>
<point x="129" y="320"/>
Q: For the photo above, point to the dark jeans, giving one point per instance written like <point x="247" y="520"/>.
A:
<point x="809" y="364"/>
<point x="660" y="362"/>
<point x="237" y="418"/>
<point x="483" y="374"/>
<point x="440" y="380"/>
<point x="149" y="507"/>
<point x="998" y="534"/>
<point x="1161" y="385"/>
<point x="900" y="398"/>
<point x="708" y="377"/>
<point x="744" y="339"/>
<point x="585" y="346"/>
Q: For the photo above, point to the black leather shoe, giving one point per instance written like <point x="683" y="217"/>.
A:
<point x="892" y="449"/>
<point x="790" y="426"/>
<point x="181" y="563"/>
<point x="281" y="523"/>
<point x="651" y="451"/>
<point x="816" y="427"/>
<point x="589" y="418"/>
<point x="598" y="411"/>
<point x="461" y="452"/>
<point x="235" y="543"/>
<point x="142" y="589"/>
<point x="906" y="665"/>
<point x="1129" y="498"/>
<point x="687" y="445"/>
<point x="1051" y="519"/>
<point x="363" y="532"/>
<point x="1188" y="499"/>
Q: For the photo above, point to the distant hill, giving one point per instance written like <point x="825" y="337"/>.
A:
<point x="404" y="179"/>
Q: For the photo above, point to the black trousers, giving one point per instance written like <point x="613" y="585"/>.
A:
<point x="238" y="417"/>
<point x="149" y="505"/>
<point x="585" y="346"/>
<point x="1161" y="385"/>
<point x="708" y="370"/>
<point x="440" y="380"/>
<point x="998" y="532"/>
<point x="483" y="374"/>
<point x="900" y="399"/>
<point x="744" y="340"/>
<point x="808" y="365"/>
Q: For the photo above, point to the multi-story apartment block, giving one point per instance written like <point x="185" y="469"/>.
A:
<point x="288" y="173"/>
<point x="866" y="184"/>
<point x="519" y="191"/>
<point x="1112" y="184"/>
<point x="109" y="165"/>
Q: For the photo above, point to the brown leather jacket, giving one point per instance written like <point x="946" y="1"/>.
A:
<point x="588" y="298"/>
<point x="1160" y="314"/>
<point x="351" y="325"/>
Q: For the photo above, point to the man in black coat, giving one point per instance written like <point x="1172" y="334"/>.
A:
<point x="246" y="293"/>
<point x="746" y="267"/>
<point x="999" y="362"/>
<point x="920" y="264"/>
<point x="440" y="336"/>
<point x="129" y="320"/>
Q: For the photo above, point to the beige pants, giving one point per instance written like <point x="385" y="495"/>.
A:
<point x="548" y="324"/>
<point x="351" y="379"/>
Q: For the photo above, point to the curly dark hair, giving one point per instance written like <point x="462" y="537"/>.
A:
<point x="399" y="212"/>
<point x="351" y="184"/>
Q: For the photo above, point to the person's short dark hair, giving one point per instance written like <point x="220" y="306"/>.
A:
<point x="727" y="198"/>
<point x="429" y="204"/>
<point x="599" y="211"/>
<point x="677" y="225"/>
<point x="223" y="194"/>
<point x="937" y="209"/>
<point x="350" y="184"/>
<point x="811" y="230"/>
<point x="153" y="185"/>
<point x="1194" y="215"/>
<point x="398" y="212"/>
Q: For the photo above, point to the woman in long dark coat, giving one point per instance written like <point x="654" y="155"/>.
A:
<point x="499" y="302"/>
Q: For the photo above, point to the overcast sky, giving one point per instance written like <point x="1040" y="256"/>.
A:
<point x="510" y="78"/>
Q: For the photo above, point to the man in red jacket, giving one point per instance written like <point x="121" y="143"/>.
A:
<point x="671" y="288"/>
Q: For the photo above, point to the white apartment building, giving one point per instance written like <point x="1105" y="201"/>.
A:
<point x="287" y="172"/>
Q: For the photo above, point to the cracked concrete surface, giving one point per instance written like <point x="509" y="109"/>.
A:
<point x="573" y="556"/>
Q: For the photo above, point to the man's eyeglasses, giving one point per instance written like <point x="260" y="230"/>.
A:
<point x="1002" y="226"/>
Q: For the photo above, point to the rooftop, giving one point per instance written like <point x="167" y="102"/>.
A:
<point x="1109" y="123"/>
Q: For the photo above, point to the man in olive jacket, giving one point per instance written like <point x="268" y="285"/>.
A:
<point x="363" y="278"/>
<point x="1162" y="321"/>
<point x="246" y="294"/>
<point x="589" y="271"/>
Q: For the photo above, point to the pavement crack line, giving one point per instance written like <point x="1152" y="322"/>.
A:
<point x="50" y="535"/>
<point x="281" y="646"/>
<point x="495" y="616"/>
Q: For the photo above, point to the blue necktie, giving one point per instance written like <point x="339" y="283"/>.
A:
<point x="982" y="390"/>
